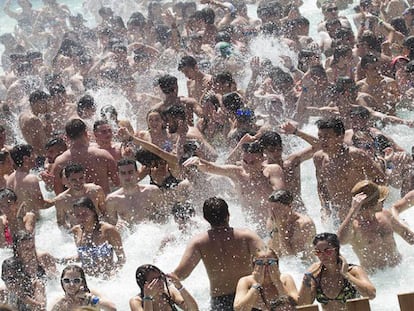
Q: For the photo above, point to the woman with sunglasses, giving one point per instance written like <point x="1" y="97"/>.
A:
<point x="157" y="294"/>
<point x="77" y="293"/>
<point x="332" y="281"/>
<point x="258" y="290"/>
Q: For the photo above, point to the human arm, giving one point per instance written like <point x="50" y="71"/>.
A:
<point x="403" y="204"/>
<point x="230" y="171"/>
<point x="188" y="302"/>
<point x="401" y="229"/>
<point x="345" y="229"/>
<point x="111" y="210"/>
<point x="61" y="214"/>
<point x="307" y="292"/>
<point x="359" y="278"/>
<point x="248" y="290"/>
<point x="114" y="238"/>
<point x="189" y="260"/>
<point x="103" y="303"/>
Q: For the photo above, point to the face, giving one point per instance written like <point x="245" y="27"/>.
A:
<point x="325" y="252"/>
<point x="154" y="275"/>
<point x="172" y="124"/>
<point x="188" y="72"/>
<point x="103" y="133"/>
<point x="331" y="12"/>
<point x="72" y="282"/>
<point x="329" y="139"/>
<point x="251" y="159"/>
<point x="127" y="175"/>
<point x="362" y="49"/>
<point x="272" y="152"/>
<point x="83" y="215"/>
<point x="154" y="121"/>
<point x="53" y="152"/>
<point x="76" y="181"/>
<point x="266" y="263"/>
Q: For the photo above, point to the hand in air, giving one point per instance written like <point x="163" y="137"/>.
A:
<point x="123" y="133"/>
<point x="274" y="273"/>
<point x="344" y="267"/>
<point x="259" y="274"/>
<point x="255" y="65"/>
<point x="192" y="161"/>
<point x="357" y="201"/>
<point x="289" y="127"/>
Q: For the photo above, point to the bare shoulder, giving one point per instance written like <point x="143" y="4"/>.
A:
<point x="62" y="196"/>
<point x="76" y="230"/>
<point x="91" y="187"/>
<point x="318" y="155"/>
<point x="188" y="100"/>
<point x="149" y="188"/>
<point x="107" y="228"/>
<point x="97" y="152"/>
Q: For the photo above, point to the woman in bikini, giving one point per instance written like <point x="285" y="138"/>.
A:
<point x="77" y="292"/>
<point x="257" y="291"/>
<point x="332" y="281"/>
<point x="157" y="132"/>
<point x="96" y="241"/>
<point x="158" y="294"/>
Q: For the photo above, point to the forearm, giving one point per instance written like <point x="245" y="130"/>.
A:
<point x="366" y="289"/>
<point x="247" y="301"/>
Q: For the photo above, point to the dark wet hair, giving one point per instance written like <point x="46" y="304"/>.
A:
<point x="360" y="111"/>
<point x="73" y="168"/>
<point x="82" y="276"/>
<point x="176" y="111"/>
<point x="368" y="59"/>
<point x="223" y="77"/>
<point x="85" y="102"/>
<point x="9" y="194"/>
<point x="284" y="197"/>
<point x="345" y="84"/>
<point x="373" y="42"/>
<point x="341" y="51"/>
<point x="57" y="89"/>
<point x="75" y="128"/>
<point x="37" y="95"/>
<point x="215" y="211"/>
<point x="269" y="9"/>
<point x="232" y="102"/>
<point x="253" y="147"/>
<point x="97" y="123"/>
<point x="270" y="139"/>
<point x="399" y="25"/>
<point x="381" y="143"/>
<point x="146" y="157"/>
<point x="19" y="151"/>
<point x="208" y="15"/>
<point x="56" y="141"/>
<point x="124" y="162"/>
<point x="86" y="202"/>
<point x="331" y="238"/>
<point x="187" y="61"/>
<point x="211" y="98"/>
<point x="183" y="210"/>
<point x="108" y="109"/>
<point x="167" y="83"/>
<point x="333" y="123"/>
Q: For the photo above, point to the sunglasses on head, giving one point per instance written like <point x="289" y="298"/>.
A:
<point x="266" y="262"/>
<point x="72" y="281"/>
<point x="328" y="251"/>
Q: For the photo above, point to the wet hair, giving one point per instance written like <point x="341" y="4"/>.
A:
<point x="98" y="123"/>
<point x="167" y="83"/>
<point x="85" y="102"/>
<point x="282" y="78"/>
<point x="269" y="9"/>
<point x="82" y="276"/>
<point x="284" y="197"/>
<point x="183" y="210"/>
<point x="318" y="71"/>
<point x="136" y="19"/>
<point x="373" y="42"/>
<point x="215" y="211"/>
<point x="399" y="25"/>
<point x="36" y="96"/>
<point x="381" y="143"/>
<point x="332" y="123"/>
<point x="19" y="151"/>
<point x="270" y="29"/>
<point x="176" y="111"/>
<point x="224" y="77"/>
<point x="57" y="89"/>
<point x="253" y="147"/>
<point x="232" y="102"/>
<point x="75" y="128"/>
<point x="341" y="51"/>
<point x="124" y="162"/>
<point x="73" y="168"/>
<point x="345" y="84"/>
<point x="146" y="157"/>
<point x="86" y="202"/>
<point x="108" y="109"/>
<point x="208" y="15"/>
<point x="211" y="98"/>
<point x="56" y="141"/>
<point x="187" y="61"/>
<point x="270" y="139"/>
<point x="9" y="194"/>
<point x="331" y="238"/>
<point x="409" y="45"/>
<point x="332" y="23"/>
<point x="222" y="36"/>
<point x="105" y="11"/>
<point x="360" y="111"/>
<point x="368" y="59"/>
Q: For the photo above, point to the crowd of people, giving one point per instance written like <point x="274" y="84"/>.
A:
<point x="174" y="157"/>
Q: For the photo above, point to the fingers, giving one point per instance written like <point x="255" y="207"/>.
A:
<point x="192" y="161"/>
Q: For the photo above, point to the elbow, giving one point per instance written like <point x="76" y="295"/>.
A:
<point x="371" y="292"/>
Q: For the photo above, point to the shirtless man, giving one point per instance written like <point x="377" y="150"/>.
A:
<point x="77" y="188"/>
<point x="23" y="183"/>
<point x="59" y="108"/>
<point x="99" y="164"/>
<point x="198" y="83"/>
<point x="225" y="251"/>
<point x="254" y="181"/>
<point x="169" y="87"/>
<point x="102" y="131"/>
<point x="14" y="217"/>
<point x="337" y="168"/>
<point x="384" y="90"/>
<point x="133" y="203"/>
<point x="370" y="229"/>
<point x="291" y="233"/>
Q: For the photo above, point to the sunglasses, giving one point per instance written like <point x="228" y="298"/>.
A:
<point x="72" y="281"/>
<point x="331" y="10"/>
<point x="327" y="251"/>
<point x="266" y="262"/>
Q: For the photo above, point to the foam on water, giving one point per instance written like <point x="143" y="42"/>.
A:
<point x="142" y="246"/>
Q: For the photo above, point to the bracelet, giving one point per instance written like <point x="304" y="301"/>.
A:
<point x="181" y="288"/>
<point x="257" y="287"/>
<point x="150" y="298"/>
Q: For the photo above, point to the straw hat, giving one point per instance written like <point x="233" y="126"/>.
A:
<point x="374" y="192"/>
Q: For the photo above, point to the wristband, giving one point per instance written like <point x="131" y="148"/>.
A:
<point x="257" y="287"/>
<point x="150" y="298"/>
<point x="94" y="300"/>
<point x="181" y="288"/>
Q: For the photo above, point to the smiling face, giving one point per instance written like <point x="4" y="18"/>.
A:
<point x="326" y="252"/>
<point x="72" y="282"/>
<point x="76" y="181"/>
<point x="154" y="121"/>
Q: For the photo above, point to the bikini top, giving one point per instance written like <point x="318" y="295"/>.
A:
<point x="348" y="291"/>
<point x="169" y="182"/>
<point x="90" y="254"/>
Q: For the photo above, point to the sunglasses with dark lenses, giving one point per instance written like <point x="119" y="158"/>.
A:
<point x="327" y="251"/>
<point x="266" y="262"/>
<point x="3" y="156"/>
<point x="72" y="281"/>
<point x="331" y="10"/>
